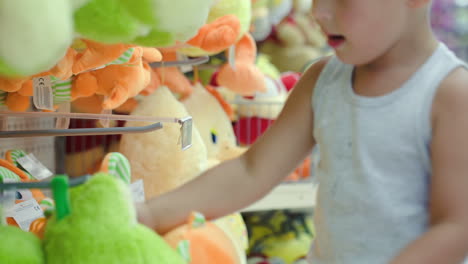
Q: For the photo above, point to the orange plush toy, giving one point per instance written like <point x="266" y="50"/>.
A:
<point x="20" y="90"/>
<point x="206" y="242"/>
<point x="118" y="82"/>
<point x="242" y="76"/>
<point x="96" y="55"/>
<point x="172" y="77"/>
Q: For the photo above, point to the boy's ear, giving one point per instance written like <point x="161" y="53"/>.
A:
<point x="418" y="3"/>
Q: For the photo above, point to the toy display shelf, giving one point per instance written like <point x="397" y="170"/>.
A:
<point x="288" y="195"/>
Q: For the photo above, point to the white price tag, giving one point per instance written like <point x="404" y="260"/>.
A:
<point x="43" y="93"/>
<point x="184" y="68"/>
<point x="34" y="167"/>
<point x="26" y="212"/>
<point x="186" y="132"/>
<point x="138" y="191"/>
<point x="232" y="56"/>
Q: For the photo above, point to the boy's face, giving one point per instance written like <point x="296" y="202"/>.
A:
<point x="362" y="30"/>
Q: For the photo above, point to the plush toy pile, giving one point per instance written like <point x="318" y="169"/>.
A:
<point x="133" y="57"/>
<point x="100" y="227"/>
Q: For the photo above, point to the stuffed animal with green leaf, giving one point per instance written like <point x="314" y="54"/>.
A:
<point x="102" y="228"/>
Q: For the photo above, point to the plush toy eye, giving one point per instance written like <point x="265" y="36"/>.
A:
<point x="18" y="196"/>
<point x="214" y="136"/>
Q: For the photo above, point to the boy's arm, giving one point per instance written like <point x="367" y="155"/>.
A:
<point x="447" y="239"/>
<point x="237" y="183"/>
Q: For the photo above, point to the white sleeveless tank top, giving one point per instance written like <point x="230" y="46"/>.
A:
<point x="374" y="170"/>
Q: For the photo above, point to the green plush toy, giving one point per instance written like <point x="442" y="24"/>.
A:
<point x="181" y="19"/>
<point x="19" y="247"/>
<point x="102" y="228"/>
<point x="106" y="21"/>
<point x="16" y="245"/>
<point x="35" y="35"/>
<point x="154" y="23"/>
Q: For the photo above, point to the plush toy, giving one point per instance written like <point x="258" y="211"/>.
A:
<point x="33" y="45"/>
<point x="242" y="75"/>
<point x="133" y="77"/>
<point x="226" y="16"/>
<point x="102" y="228"/>
<point x="94" y="55"/>
<point x="279" y="236"/>
<point x="266" y="15"/>
<point x="11" y="171"/>
<point x="172" y="77"/>
<point x="212" y="122"/>
<point x="20" y="90"/>
<point x="295" y="41"/>
<point x="208" y="244"/>
<point x="169" y="167"/>
<point x="20" y="247"/>
<point x="227" y="22"/>
<point x="157" y="157"/>
<point x="146" y="23"/>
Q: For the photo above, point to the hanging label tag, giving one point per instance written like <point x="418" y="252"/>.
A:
<point x="186" y="124"/>
<point x="34" y="167"/>
<point x="184" y="68"/>
<point x="43" y="93"/>
<point x="138" y="191"/>
<point x="26" y="212"/>
<point x="105" y="122"/>
<point x="63" y="122"/>
<point x="232" y="56"/>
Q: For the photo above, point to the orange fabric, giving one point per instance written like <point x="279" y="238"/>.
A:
<point x="63" y="69"/>
<point x="17" y="103"/>
<point x="208" y="244"/>
<point x="11" y="85"/>
<point x="117" y="83"/>
<point x="97" y="54"/>
<point x="175" y="80"/>
<point x="301" y="172"/>
<point x="27" y="88"/>
<point x="23" y="176"/>
<point x="218" y="35"/>
<point x="38" y="226"/>
<point x="244" y="78"/>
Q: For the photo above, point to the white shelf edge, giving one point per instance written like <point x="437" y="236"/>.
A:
<point x="287" y="196"/>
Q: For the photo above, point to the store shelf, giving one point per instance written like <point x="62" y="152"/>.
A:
<point x="287" y="196"/>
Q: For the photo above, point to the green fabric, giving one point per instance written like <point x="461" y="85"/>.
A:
<point x="102" y="228"/>
<point x="142" y="10"/>
<point x="8" y="174"/>
<point x="61" y="90"/>
<point x="106" y="21"/>
<point x="155" y="39"/>
<point x="119" y="167"/>
<point x="19" y="247"/>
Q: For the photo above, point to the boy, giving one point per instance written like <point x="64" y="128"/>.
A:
<point x="389" y="114"/>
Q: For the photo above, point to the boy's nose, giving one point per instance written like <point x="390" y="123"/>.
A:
<point x="321" y="10"/>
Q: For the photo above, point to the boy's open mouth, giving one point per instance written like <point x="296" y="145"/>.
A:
<point x="335" y="40"/>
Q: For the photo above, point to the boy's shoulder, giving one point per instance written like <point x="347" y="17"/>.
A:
<point x="312" y="73"/>
<point x="452" y="94"/>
